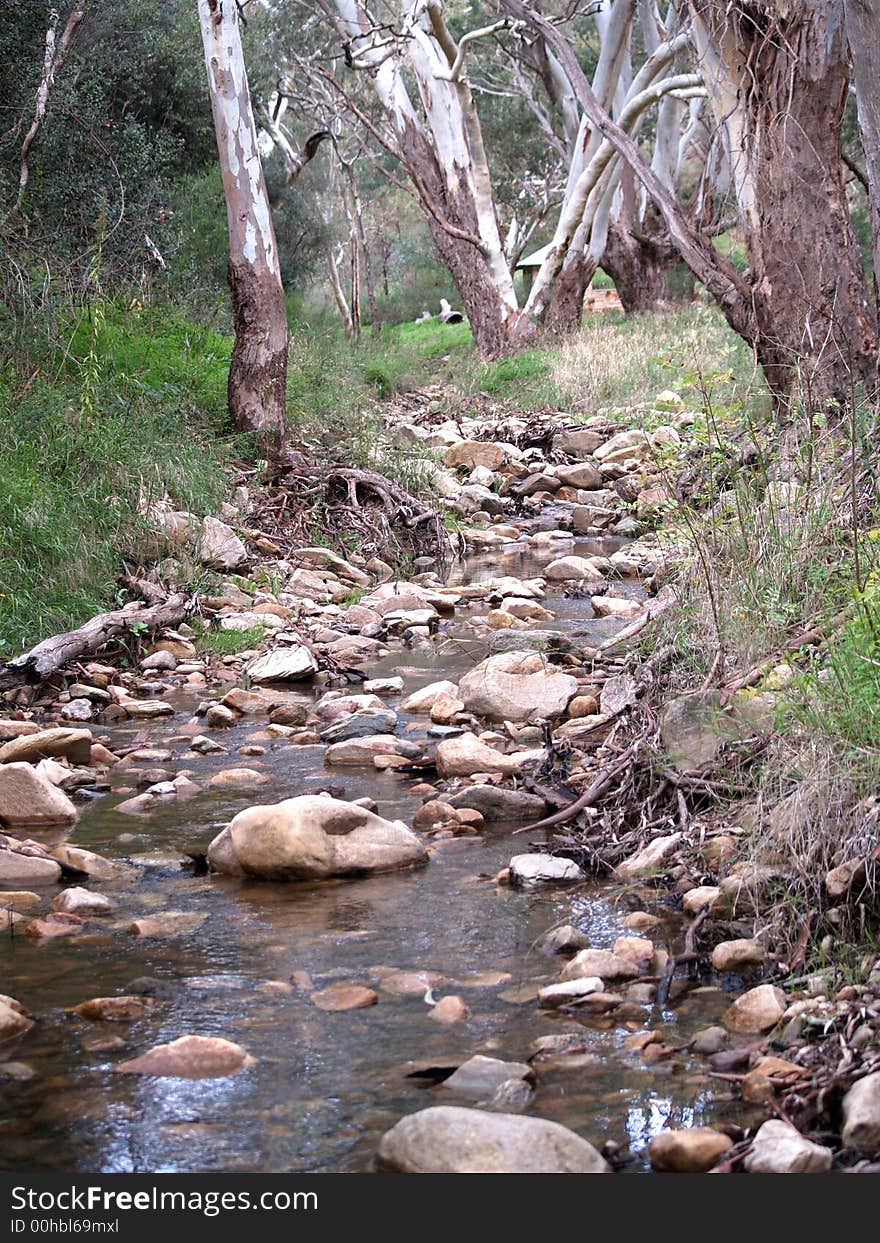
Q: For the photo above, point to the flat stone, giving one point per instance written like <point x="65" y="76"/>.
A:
<point x="168" y="924"/>
<point x="78" y="901"/>
<point x="16" y="869"/>
<point x="190" y="1057"/>
<point x="285" y="664"/>
<point x="344" y="997"/>
<point x="569" y="992"/>
<point x="71" y="744"/>
<point x="533" y="869"/>
<point x="479" y="1076"/>
<point x="114" y="1009"/>
<point x="779" y="1149"/>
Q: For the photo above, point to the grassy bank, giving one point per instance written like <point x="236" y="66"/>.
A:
<point x="130" y="408"/>
<point x="117" y="407"/>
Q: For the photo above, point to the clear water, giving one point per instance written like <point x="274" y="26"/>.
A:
<point x="325" y="1085"/>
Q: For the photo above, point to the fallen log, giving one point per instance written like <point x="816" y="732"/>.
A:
<point x="42" y="661"/>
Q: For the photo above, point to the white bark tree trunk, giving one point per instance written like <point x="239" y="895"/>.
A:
<point x="258" y="369"/>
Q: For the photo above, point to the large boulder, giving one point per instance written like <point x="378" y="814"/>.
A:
<point x="285" y="664"/>
<point x="219" y="547"/>
<point x="61" y="743"/>
<point x="29" y="798"/>
<point x="312" y="837"/>
<point x="447" y="1139"/>
<point x="516" y="686"/>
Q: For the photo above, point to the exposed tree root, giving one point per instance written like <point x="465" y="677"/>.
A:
<point x="351" y="506"/>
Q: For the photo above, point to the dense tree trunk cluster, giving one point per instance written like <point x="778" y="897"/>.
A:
<point x="732" y="101"/>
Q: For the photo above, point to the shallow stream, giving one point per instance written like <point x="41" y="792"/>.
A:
<point x="326" y="1084"/>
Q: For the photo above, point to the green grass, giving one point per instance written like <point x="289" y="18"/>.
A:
<point x="132" y="408"/>
<point x="228" y="642"/>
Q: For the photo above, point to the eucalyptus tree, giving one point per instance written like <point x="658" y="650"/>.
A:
<point x="777" y="73"/>
<point x="258" y="368"/>
<point x="428" y="76"/>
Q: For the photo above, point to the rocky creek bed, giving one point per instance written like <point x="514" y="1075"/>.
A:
<point x="271" y="912"/>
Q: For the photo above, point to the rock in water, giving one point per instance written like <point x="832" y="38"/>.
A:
<point x="447" y="1139"/>
<point x="495" y="803"/>
<point x="14" y="1020"/>
<point x="345" y="997"/>
<point x="28" y="798"/>
<point x="190" y="1057"/>
<point x="779" y="1149"/>
<point x="285" y="664"/>
<point x="693" y="1150"/>
<point x="530" y="870"/>
<point x="465" y="755"/>
<point x="71" y="744"/>
<point x="479" y="1076"/>
<point x="516" y="686"/>
<point x="16" y="869"/>
<point x="311" y="838"/>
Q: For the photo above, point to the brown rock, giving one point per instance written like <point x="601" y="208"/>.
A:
<point x="738" y="955"/>
<point x="756" y="1011"/>
<point x="345" y="997"/>
<point x="114" y="1009"/>
<point x="450" y="1009"/>
<point x="190" y="1057"/>
<point x="691" y="1151"/>
<point x="60" y="743"/>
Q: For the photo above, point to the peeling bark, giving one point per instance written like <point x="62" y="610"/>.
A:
<point x="778" y="77"/>
<point x="258" y="368"/>
<point x="863" y="28"/>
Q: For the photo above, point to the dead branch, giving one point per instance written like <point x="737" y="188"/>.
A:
<point x="54" y="58"/>
<point x="42" y="661"/>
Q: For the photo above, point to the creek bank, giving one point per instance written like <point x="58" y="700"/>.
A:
<point x="491" y="745"/>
